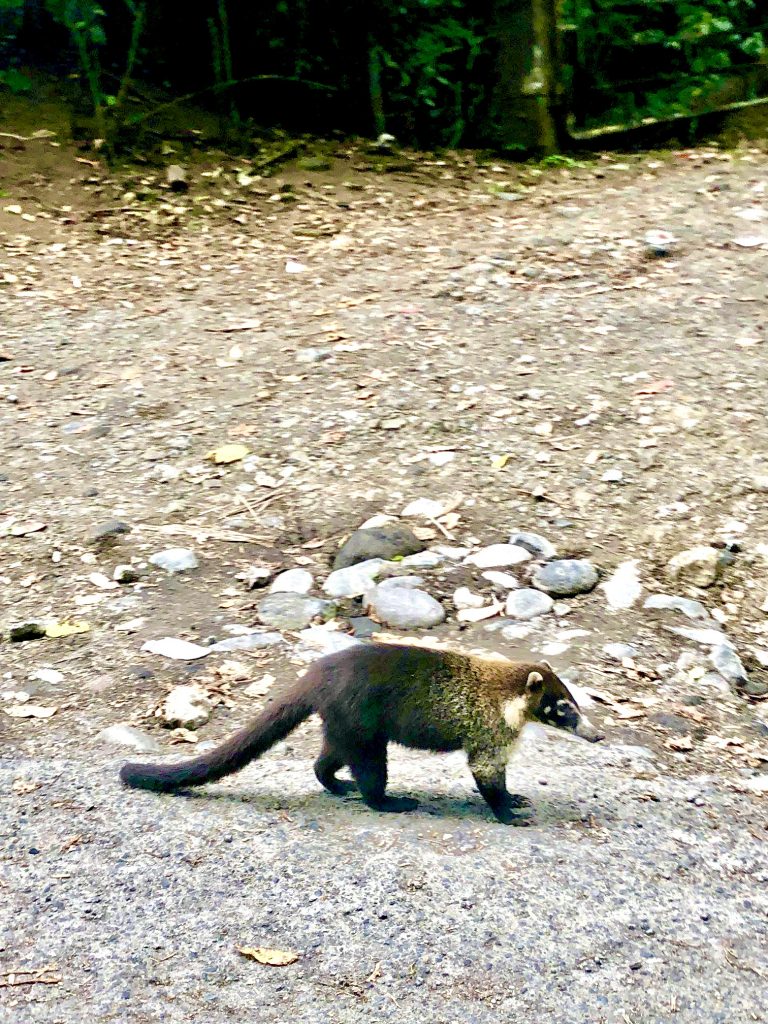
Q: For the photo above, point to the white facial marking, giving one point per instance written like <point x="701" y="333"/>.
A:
<point x="513" y="712"/>
<point x="548" y="710"/>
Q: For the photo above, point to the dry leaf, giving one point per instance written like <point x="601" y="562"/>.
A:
<point x="228" y="453"/>
<point x="683" y="743"/>
<point x="57" y="630"/>
<point x="30" y="711"/>
<point x="500" y="461"/>
<point x="271" y="957"/>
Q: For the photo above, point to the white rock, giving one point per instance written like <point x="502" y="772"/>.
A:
<point x="380" y="520"/>
<point x="505" y="580"/>
<point x="126" y="736"/>
<point x="496" y="555"/>
<point x="405" y="609"/>
<point x="623" y="588"/>
<point x="47" y="675"/>
<point x="172" y="647"/>
<point x="259" y="687"/>
<point x="316" y="642"/>
<point x="425" y="508"/>
<point x="422" y="560"/>
<point x="452" y="554"/>
<point x="293" y="581"/>
<point x="175" y="559"/>
<point x="354" y="580"/>
<point x="187" y="707"/>
<point x="705" y="637"/>
<point x="463" y="597"/>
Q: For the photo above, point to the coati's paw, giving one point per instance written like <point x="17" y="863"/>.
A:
<point x="341" y="787"/>
<point x="398" y="804"/>
<point x="516" y="800"/>
<point x="511" y="815"/>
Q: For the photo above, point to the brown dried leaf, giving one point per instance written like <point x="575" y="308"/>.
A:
<point x="270" y="957"/>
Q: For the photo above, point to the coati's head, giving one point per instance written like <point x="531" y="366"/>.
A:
<point x="551" y="703"/>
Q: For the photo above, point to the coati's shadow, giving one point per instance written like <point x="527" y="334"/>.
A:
<point x="431" y="805"/>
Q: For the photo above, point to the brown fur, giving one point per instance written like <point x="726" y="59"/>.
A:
<point x="420" y="697"/>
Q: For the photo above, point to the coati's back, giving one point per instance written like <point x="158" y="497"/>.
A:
<point x="418" y="697"/>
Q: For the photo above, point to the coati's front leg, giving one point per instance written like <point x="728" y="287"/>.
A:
<point x="368" y="764"/>
<point x="489" y="770"/>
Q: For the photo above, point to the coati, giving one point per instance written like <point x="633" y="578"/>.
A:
<point x="421" y="697"/>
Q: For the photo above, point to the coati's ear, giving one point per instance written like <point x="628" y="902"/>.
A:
<point x="546" y="665"/>
<point x="534" y="682"/>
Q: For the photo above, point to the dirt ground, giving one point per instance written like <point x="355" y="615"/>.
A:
<point x="374" y="336"/>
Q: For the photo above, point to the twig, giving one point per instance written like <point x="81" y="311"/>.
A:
<point x="230" y="536"/>
<point x="37" y="976"/>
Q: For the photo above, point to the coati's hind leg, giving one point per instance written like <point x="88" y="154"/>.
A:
<point x="327" y="764"/>
<point x="489" y="773"/>
<point x="368" y="763"/>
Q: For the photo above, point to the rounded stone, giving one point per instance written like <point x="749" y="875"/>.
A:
<point x="566" y="577"/>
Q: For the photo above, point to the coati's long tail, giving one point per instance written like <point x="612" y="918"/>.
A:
<point x="250" y="742"/>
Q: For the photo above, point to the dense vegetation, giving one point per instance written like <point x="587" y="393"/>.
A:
<point x="426" y="71"/>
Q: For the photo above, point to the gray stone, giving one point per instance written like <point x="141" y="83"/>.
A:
<point x="410" y="582"/>
<point x="727" y="662"/>
<point x="187" y="707"/>
<point x="404" y="608"/>
<point x="527" y="604"/>
<point x="700" y="566"/>
<point x="175" y="560"/>
<point x="126" y="736"/>
<point x="620" y="651"/>
<point x="251" y="641"/>
<point x="670" y="602"/>
<point x="292" y="611"/>
<point x="566" y="577"/>
<point x="538" y="546"/>
<point x="293" y="581"/>
<point x="353" y="580"/>
<point x="390" y="541"/>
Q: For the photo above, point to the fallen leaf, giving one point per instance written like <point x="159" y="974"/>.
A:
<point x="683" y="743"/>
<point x="30" y="711"/>
<point x="657" y="387"/>
<point x="57" y="630"/>
<point x="500" y="461"/>
<point x="172" y="647"/>
<point x="271" y="957"/>
<point x="228" y="453"/>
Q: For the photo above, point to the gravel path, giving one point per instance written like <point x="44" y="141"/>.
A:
<point x="433" y="316"/>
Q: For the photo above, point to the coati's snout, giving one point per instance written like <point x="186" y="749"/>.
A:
<point x="556" y="707"/>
